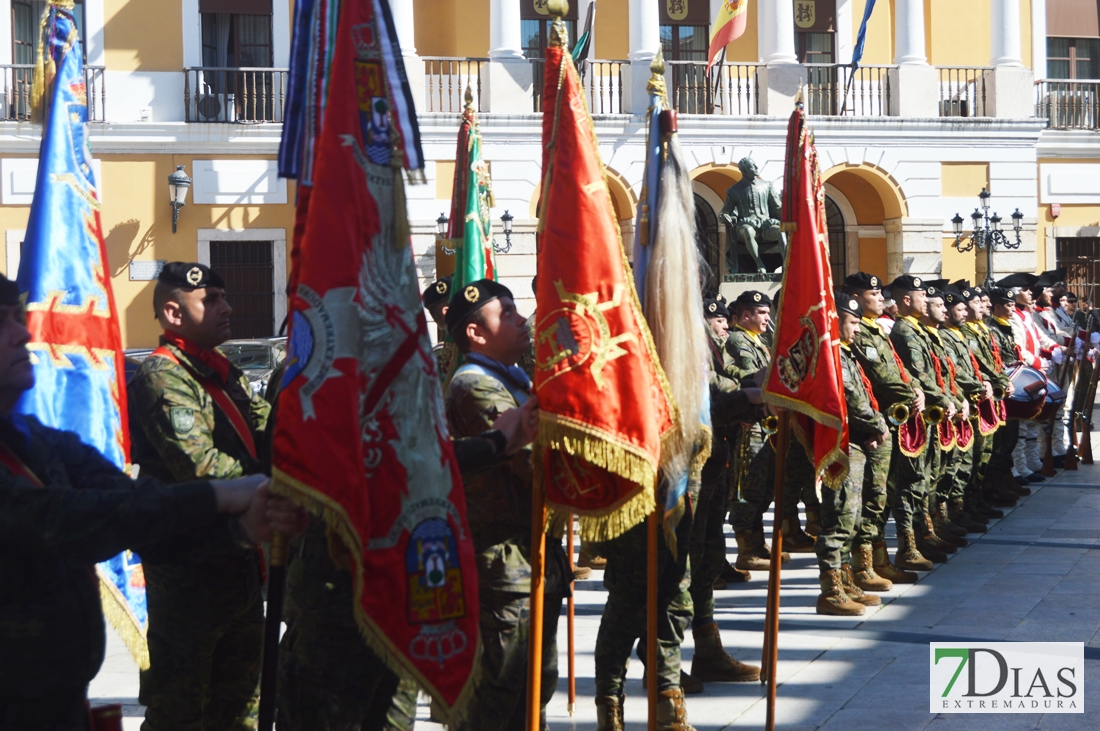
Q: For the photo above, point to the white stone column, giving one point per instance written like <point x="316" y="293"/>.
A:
<point x="1039" y="39"/>
<point x="777" y="43"/>
<point x="1005" y="44"/>
<point x="505" y="42"/>
<point x="645" y="39"/>
<point x="909" y="32"/>
<point x="406" y="27"/>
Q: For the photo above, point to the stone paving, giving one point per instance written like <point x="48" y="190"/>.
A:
<point x="1035" y="576"/>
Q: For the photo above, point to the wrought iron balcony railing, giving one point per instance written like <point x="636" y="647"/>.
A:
<point x="836" y="90"/>
<point x="729" y="89"/>
<point x="234" y="95"/>
<point x="446" y="79"/>
<point x="16" y="81"/>
<point x="962" y="91"/>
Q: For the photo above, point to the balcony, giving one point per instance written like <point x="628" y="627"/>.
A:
<point x="1067" y="104"/>
<point x="234" y="95"/>
<point x="446" y="79"/>
<point x="729" y="89"/>
<point x="16" y="81"/>
<point x="962" y="91"/>
<point x="838" y="90"/>
<point x="601" y="79"/>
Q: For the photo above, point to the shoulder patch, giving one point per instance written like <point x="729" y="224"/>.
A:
<point x="183" y="419"/>
<point x="871" y="352"/>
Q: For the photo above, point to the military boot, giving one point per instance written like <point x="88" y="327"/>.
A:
<point x="880" y="561"/>
<point x="712" y="664"/>
<point x="929" y="544"/>
<point x="959" y="516"/>
<point x="987" y="510"/>
<point x="853" y="591"/>
<point x="865" y="577"/>
<point x="589" y="559"/>
<point x="747" y="557"/>
<point x="760" y="546"/>
<point x="908" y="556"/>
<point x="947" y="531"/>
<point x="733" y="575"/>
<point x="794" y="540"/>
<point x="609" y="713"/>
<point x="971" y="511"/>
<point x="691" y="685"/>
<point x="833" y="601"/>
<point x="672" y="714"/>
<point x="813" y="521"/>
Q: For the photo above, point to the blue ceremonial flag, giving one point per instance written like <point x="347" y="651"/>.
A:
<point x="861" y="37"/>
<point x="75" y="342"/>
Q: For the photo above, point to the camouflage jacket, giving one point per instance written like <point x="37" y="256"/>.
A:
<point x="914" y="347"/>
<point x="958" y="349"/>
<point x="980" y="343"/>
<point x="875" y="353"/>
<point x="729" y="406"/>
<point x="951" y="390"/>
<point x="863" y="421"/>
<point x="1001" y="334"/>
<point x="178" y="433"/>
<point x="52" y="635"/>
<point x="749" y="354"/>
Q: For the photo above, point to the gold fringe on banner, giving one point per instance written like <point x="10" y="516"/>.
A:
<point x="118" y="613"/>
<point x="340" y="529"/>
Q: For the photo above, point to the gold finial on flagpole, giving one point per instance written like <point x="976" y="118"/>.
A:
<point x="559" y="36"/>
<point x="558" y="8"/>
<point x="469" y="97"/>
<point x="657" y="65"/>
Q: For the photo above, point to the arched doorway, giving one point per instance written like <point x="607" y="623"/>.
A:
<point x="706" y="238"/>
<point x="838" y="243"/>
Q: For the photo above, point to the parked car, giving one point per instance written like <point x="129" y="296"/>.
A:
<point x="258" y="358"/>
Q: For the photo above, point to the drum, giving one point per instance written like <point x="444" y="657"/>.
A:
<point x="1056" y="397"/>
<point x="1029" y="392"/>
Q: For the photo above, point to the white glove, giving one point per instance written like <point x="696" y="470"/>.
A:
<point x="1094" y="338"/>
<point x="1078" y="343"/>
<point x="1058" y="355"/>
<point x="1093" y="353"/>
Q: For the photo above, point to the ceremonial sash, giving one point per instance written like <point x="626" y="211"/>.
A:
<point x="17" y="466"/>
<point x="221" y="398"/>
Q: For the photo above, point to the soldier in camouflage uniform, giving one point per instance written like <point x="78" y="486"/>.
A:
<point x="975" y="389"/>
<point x="206" y="617"/>
<point x="891" y="385"/>
<point x="492" y="336"/>
<point x="63" y="508"/>
<point x="436" y="296"/>
<point x="730" y="405"/>
<point x="945" y="458"/>
<point x="750" y="356"/>
<point x="841" y="505"/>
<point x="914" y="346"/>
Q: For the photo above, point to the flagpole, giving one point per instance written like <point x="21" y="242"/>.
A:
<point x="276" y="589"/>
<point x="771" y="626"/>
<point x="535" y="621"/>
<point x="651" y="617"/>
<point x="572" y="705"/>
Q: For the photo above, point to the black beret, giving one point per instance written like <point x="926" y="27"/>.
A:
<point x="980" y="291"/>
<point x="714" y="308"/>
<point x="906" y="283"/>
<point x="752" y="298"/>
<point x="1071" y="297"/>
<point x="971" y="293"/>
<point x="1000" y="296"/>
<point x="934" y="292"/>
<point x="952" y="296"/>
<point x="1018" y="280"/>
<point x="437" y="291"/>
<point x="847" y="303"/>
<point x="189" y="275"/>
<point x="861" y="281"/>
<point x="472" y="298"/>
<point x="9" y="292"/>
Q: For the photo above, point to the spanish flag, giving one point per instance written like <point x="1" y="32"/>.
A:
<point x="728" y="27"/>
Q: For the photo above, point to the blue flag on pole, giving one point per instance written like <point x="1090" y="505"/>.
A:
<point x="861" y="37"/>
<point x="75" y="343"/>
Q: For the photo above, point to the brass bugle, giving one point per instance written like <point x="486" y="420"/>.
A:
<point x="976" y="398"/>
<point x="898" y="414"/>
<point x="770" y="424"/>
<point x="998" y="393"/>
<point x="934" y="414"/>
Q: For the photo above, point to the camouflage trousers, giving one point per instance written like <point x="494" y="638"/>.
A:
<point x="906" y="484"/>
<point x="708" y="540"/>
<point x="206" y="625"/>
<point x="500" y="701"/>
<point x="959" y="467"/>
<point x="624" y="615"/>
<point x="871" y="526"/>
<point x="329" y="678"/>
<point x="840" y="512"/>
<point x="758" y="487"/>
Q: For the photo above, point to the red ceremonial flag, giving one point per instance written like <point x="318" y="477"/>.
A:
<point x="603" y="400"/>
<point x="361" y="438"/>
<point x="805" y="374"/>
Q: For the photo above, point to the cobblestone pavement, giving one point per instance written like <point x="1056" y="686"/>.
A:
<point x="1035" y="576"/>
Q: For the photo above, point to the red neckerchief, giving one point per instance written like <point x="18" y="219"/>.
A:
<point x="17" y="466"/>
<point x="212" y="359"/>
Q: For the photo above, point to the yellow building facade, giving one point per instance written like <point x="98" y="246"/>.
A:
<point x="999" y="95"/>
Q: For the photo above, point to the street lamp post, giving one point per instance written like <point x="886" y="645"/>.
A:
<point x="986" y="234"/>
<point x="178" y="183"/>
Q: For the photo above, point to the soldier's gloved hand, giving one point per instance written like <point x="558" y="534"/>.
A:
<point x="951" y="410"/>
<point x="234" y="496"/>
<point x="918" y="399"/>
<point x="988" y="390"/>
<point x="1057" y="355"/>
<point x="269" y="513"/>
<point x="965" y="410"/>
